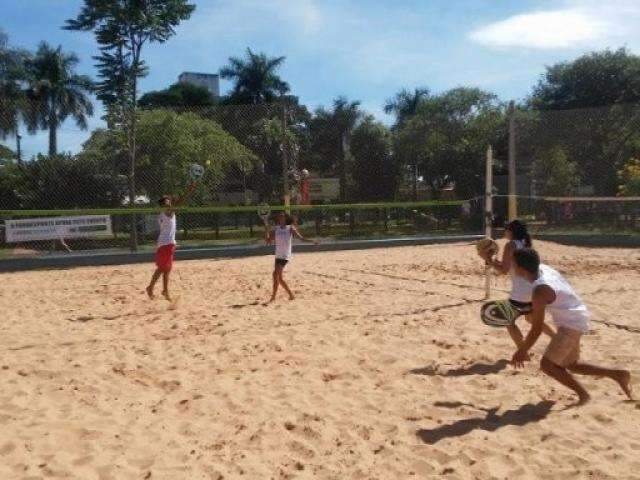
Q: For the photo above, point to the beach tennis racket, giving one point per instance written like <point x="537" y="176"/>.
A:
<point x="486" y="247"/>
<point x="501" y="313"/>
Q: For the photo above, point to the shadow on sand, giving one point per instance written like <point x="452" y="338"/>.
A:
<point x="521" y="416"/>
<point x="474" y="369"/>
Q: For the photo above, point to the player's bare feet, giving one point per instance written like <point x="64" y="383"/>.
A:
<point x="292" y="297"/>
<point x="624" y="380"/>
<point x="150" y="292"/>
<point x="166" y="295"/>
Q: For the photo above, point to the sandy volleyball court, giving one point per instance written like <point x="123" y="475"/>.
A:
<point x="380" y="369"/>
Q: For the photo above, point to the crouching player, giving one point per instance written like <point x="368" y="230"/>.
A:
<point x="552" y="293"/>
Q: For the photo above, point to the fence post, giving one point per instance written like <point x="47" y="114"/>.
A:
<point x="513" y="202"/>
<point x="488" y="214"/>
<point x="285" y="160"/>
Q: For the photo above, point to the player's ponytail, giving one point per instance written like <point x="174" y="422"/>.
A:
<point x="519" y="231"/>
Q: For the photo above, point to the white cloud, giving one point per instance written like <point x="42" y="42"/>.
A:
<point x="544" y="30"/>
<point x="576" y="24"/>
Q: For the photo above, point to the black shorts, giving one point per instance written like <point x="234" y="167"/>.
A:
<point x="523" y="307"/>
<point x="281" y="262"/>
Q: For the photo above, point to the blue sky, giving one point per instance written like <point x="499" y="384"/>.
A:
<point x="366" y="50"/>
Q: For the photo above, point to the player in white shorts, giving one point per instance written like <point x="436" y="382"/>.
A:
<point x="282" y="235"/>
<point x="518" y="238"/>
<point x="551" y="292"/>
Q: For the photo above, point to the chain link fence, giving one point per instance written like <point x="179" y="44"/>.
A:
<point x="577" y="170"/>
<point x="340" y="178"/>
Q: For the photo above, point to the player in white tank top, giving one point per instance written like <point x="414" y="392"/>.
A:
<point x="552" y="292"/>
<point x="166" y="243"/>
<point x="282" y="235"/>
<point x="517" y="238"/>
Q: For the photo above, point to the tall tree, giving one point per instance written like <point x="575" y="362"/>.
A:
<point x="331" y="132"/>
<point x="56" y="92"/>
<point x="405" y="104"/>
<point x="179" y="95"/>
<point x="630" y="179"/>
<point x="374" y="172"/>
<point x="122" y="28"/>
<point x="588" y="107"/>
<point x="448" y="136"/>
<point x="554" y="173"/>
<point x="168" y="143"/>
<point x="255" y="78"/>
<point x="12" y="79"/>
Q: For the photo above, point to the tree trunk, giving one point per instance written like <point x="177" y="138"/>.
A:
<point x="343" y="167"/>
<point x="53" y="128"/>
<point x="131" y="134"/>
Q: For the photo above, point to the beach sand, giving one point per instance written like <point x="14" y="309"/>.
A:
<point x="380" y="369"/>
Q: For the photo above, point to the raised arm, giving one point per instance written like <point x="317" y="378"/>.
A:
<point x="296" y="233"/>
<point x="269" y="235"/>
<point x="177" y="201"/>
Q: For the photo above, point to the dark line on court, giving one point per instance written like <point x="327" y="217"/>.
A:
<point x="373" y="285"/>
<point x="618" y="326"/>
<point x="412" y="279"/>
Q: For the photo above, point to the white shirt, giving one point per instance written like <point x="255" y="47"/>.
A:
<point x="520" y="288"/>
<point x="283" y="239"/>
<point x="167" y="235"/>
<point x="567" y="310"/>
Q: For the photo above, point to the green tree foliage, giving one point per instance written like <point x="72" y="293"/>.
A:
<point x="330" y="134"/>
<point x="179" y="95"/>
<point x="586" y="108"/>
<point x="56" y="92"/>
<point x="168" y="143"/>
<point x="257" y="127"/>
<point x="62" y="181"/>
<point x="12" y="78"/>
<point x="405" y="104"/>
<point x="374" y="172"/>
<point x="554" y="174"/>
<point x="255" y="78"/>
<point x="6" y="153"/>
<point x="9" y="178"/>
<point x="630" y="179"/>
<point x="448" y="136"/>
<point x="121" y="29"/>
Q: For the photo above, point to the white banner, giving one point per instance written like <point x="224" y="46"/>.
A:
<point x="53" y="228"/>
<point x="324" y="189"/>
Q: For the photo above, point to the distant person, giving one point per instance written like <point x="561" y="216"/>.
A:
<point x="518" y="238"/>
<point x="562" y="357"/>
<point x="166" y="243"/>
<point x="282" y="235"/>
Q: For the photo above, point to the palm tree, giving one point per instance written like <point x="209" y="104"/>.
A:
<point x="12" y="76"/>
<point x="56" y="92"/>
<point x="338" y="125"/>
<point x="255" y="78"/>
<point x="405" y="104"/>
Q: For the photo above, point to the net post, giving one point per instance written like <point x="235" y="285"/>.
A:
<point x="488" y="214"/>
<point x="285" y="161"/>
<point x="513" y="202"/>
